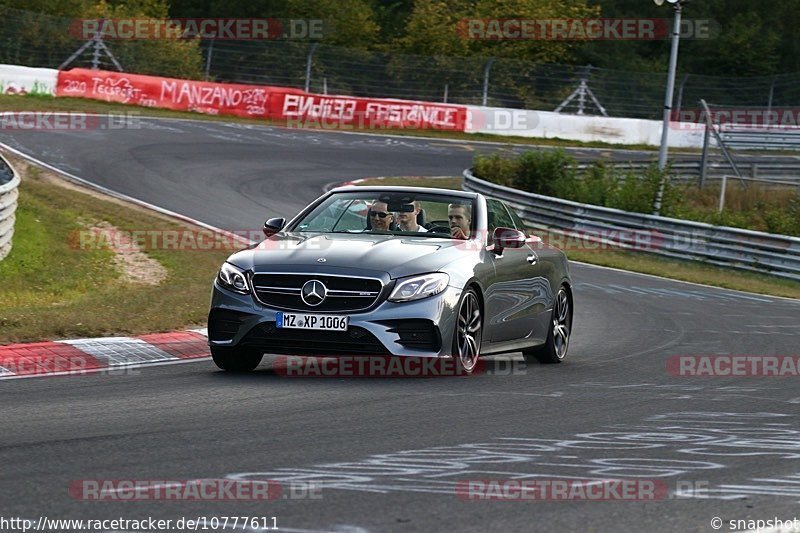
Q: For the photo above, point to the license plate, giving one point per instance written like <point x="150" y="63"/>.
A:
<point x="306" y="321"/>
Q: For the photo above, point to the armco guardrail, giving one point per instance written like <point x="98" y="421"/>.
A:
<point x="778" y="255"/>
<point x="748" y="138"/>
<point x="9" y="180"/>
<point x="775" y="173"/>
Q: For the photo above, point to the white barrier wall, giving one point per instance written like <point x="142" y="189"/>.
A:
<point x="26" y="80"/>
<point x="492" y="120"/>
<point x="549" y="125"/>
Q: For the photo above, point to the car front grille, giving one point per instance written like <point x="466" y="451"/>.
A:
<point x="343" y="293"/>
<point x="354" y="341"/>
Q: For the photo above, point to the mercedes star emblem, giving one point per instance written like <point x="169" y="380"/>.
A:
<point x="313" y="292"/>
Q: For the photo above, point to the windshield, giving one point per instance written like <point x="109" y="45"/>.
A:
<point x="408" y="214"/>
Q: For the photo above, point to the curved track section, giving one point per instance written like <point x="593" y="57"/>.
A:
<point x="391" y="454"/>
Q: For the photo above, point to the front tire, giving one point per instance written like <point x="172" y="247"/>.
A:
<point x="468" y="330"/>
<point x="236" y="359"/>
<point x="555" y="349"/>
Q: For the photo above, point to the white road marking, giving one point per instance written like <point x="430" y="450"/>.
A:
<point x="117" y="351"/>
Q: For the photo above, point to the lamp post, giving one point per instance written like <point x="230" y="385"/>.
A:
<point x="673" y="67"/>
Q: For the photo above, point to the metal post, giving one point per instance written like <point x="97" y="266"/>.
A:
<point x="721" y="143"/>
<point x="98" y="39"/>
<point x="771" y="96"/>
<point x="210" y="52"/>
<point x="486" y="69"/>
<point x="673" y="66"/>
<point x="679" y="105"/>
<point x="722" y="193"/>
<point x="704" y="158"/>
<point x="446" y="87"/>
<point x="308" y="65"/>
<point x="98" y="47"/>
<point x="324" y="85"/>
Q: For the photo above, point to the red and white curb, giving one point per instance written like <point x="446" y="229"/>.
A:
<point x="82" y="356"/>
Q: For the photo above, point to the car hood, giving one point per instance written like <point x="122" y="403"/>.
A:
<point x="395" y="255"/>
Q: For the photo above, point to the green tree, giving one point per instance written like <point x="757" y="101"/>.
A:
<point x="437" y="28"/>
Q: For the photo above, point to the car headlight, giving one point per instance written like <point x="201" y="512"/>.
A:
<point x="233" y="279"/>
<point x="418" y="287"/>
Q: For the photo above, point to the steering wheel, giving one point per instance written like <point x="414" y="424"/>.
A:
<point x="439" y="226"/>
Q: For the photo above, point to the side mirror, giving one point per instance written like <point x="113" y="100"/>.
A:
<point x="273" y="226"/>
<point x="507" y="238"/>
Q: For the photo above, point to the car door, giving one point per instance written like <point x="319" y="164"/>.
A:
<point x="518" y="294"/>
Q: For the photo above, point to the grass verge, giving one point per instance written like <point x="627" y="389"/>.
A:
<point x="49" y="103"/>
<point x="54" y="287"/>
<point x="640" y="261"/>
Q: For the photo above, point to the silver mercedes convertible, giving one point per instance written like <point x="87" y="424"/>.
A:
<point x="393" y="271"/>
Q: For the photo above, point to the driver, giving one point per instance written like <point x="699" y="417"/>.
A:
<point x="408" y="221"/>
<point x="460" y="217"/>
<point x="379" y="216"/>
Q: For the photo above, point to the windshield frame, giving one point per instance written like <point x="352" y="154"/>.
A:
<point x="369" y="193"/>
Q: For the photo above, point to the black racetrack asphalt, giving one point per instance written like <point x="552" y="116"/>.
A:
<point x="392" y="454"/>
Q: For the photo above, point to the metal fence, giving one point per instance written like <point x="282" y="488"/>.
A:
<point x="754" y="251"/>
<point x="38" y="40"/>
<point x="9" y="181"/>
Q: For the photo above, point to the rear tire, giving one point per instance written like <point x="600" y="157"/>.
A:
<point x="555" y="349"/>
<point x="236" y="359"/>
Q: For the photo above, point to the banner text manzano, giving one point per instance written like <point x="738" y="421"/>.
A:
<point x="290" y="106"/>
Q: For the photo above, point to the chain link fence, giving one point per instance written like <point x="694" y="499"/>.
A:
<point x="42" y="41"/>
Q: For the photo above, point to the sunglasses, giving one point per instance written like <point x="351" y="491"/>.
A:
<point x="377" y="214"/>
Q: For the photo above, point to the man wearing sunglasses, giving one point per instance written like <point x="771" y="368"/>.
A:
<point x="379" y="216"/>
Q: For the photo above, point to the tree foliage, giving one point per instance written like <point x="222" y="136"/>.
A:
<point x="753" y="38"/>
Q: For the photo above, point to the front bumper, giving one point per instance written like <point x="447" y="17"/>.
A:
<point x="422" y="328"/>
